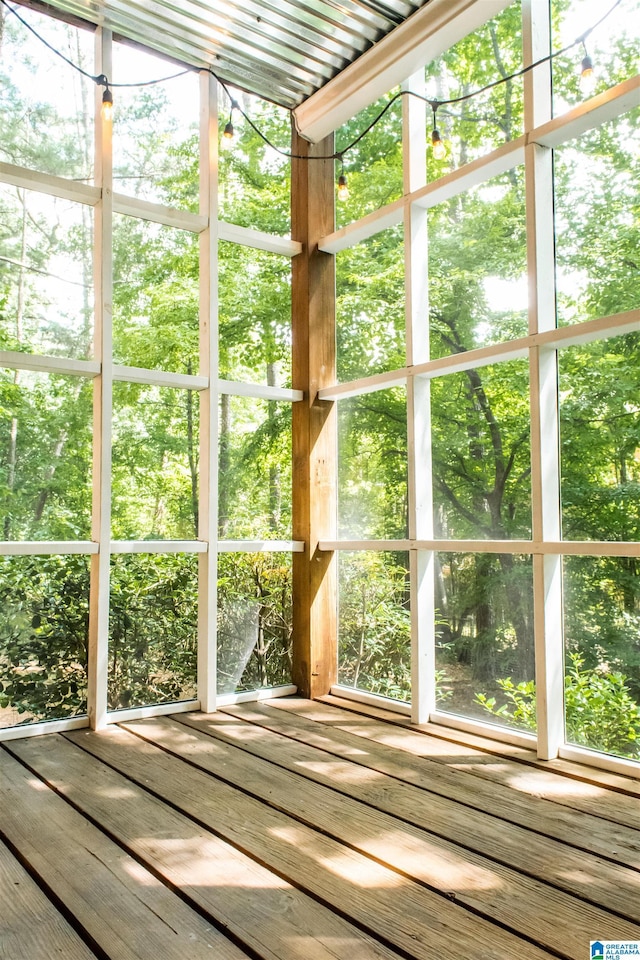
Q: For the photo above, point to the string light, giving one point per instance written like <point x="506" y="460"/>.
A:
<point x="587" y="74"/>
<point x="343" y="189"/>
<point x="107" y="105"/>
<point x="587" y="83"/>
<point x="228" y="133"/>
<point x="439" y="149"/>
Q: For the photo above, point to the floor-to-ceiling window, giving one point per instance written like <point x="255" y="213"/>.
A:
<point x="145" y="386"/>
<point x="487" y="325"/>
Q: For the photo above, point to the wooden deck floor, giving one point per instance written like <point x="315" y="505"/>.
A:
<point x="299" y="830"/>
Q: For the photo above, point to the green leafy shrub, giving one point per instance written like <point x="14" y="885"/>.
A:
<point x="600" y="713"/>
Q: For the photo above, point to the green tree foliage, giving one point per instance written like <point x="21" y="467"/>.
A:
<point x="600" y="713"/>
<point x="479" y="419"/>
<point x="374" y="632"/>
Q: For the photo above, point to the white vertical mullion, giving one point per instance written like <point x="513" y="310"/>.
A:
<point x="418" y="408"/>
<point x="102" y="406"/>
<point x="545" y="465"/>
<point x="208" y="508"/>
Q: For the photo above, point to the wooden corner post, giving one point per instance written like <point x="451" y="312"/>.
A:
<point x="314" y="421"/>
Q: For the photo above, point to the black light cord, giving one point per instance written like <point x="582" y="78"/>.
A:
<point x="102" y="80"/>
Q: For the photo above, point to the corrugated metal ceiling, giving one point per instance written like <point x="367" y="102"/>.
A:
<point x="283" y="50"/>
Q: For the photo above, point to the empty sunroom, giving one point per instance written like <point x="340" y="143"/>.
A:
<point x="320" y="378"/>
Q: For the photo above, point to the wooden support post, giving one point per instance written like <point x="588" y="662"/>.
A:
<point x="98" y="661"/>
<point x="314" y="422"/>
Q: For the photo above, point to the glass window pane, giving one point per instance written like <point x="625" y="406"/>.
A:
<point x="155" y="129"/>
<point x="46" y="107"/>
<point x="612" y="47"/>
<point x="155" y="296"/>
<point x="44" y="627"/>
<point x="597" y="225"/>
<point x="372" y="466"/>
<point x="254" y="316"/>
<point x="255" y="179"/>
<point x="478" y="267"/>
<point x="370" y="306"/>
<point x="254" y="621"/>
<point x="602" y="655"/>
<point x="155" y="463"/>
<point x="472" y="128"/>
<point x="481" y="453"/>
<point x="484" y="629"/>
<point x="45" y="456"/>
<point x="600" y="439"/>
<point x="46" y="274"/>
<point x="254" y="469"/>
<point x="153" y="629"/>
<point x="373" y="167"/>
<point x="374" y="623"/>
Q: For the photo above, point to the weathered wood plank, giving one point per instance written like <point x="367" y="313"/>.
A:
<point x="593" y="878"/>
<point x="556" y="920"/>
<point x="427" y="767"/>
<point x="567" y="768"/>
<point x="503" y="767"/>
<point x="392" y="907"/>
<point x="121" y="906"/>
<point x="30" y="926"/>
<point x="264" y="911"/>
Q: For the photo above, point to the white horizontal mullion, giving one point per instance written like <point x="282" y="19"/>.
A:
<point x="491" y="731"/>
<point x="588" y="115"/>
<point x="614" y="325"/>
<point x="258" y="239"/>
<point x="357" y="388"/>
<point x="158" y="546"/>
<point x="153" y="710"/>
<point x="258" y="391"/>
<point x="260" y="546"/>
<point x="16" y="360"/>
<point x="591" y="548"/>
<point x="47" y="548"/>
<point x="388" y="216"/>
<point x="158" y="213"/>
<point x="506" y="157"/>
<point x="331" y="545"/>
<point x="372" y="699"/>
<point x="251" y="696"/>
<point x="473" y="359"/>
<point x="593" y="758"/>
<point x="574" y="548"/>
<point x="477" y="546"/>
<point x="51" y="185"/>
<point x="39" y="729"/>
<point x="159" y="378"/>
<point x="586" y="332"/>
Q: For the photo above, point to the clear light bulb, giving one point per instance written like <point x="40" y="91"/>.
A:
<point x="228" y="135"/>
<point x="439" y="149"/>
<point x="587" y="76"/>
<point x="343" y="189"/>
<point x="107" y="106"/>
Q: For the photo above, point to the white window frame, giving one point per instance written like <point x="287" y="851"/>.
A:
<point x="540" y="347"/>
<point x="104" y="373"/>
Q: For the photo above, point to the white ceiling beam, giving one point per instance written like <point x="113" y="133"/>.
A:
<point x="419" y="40"/>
